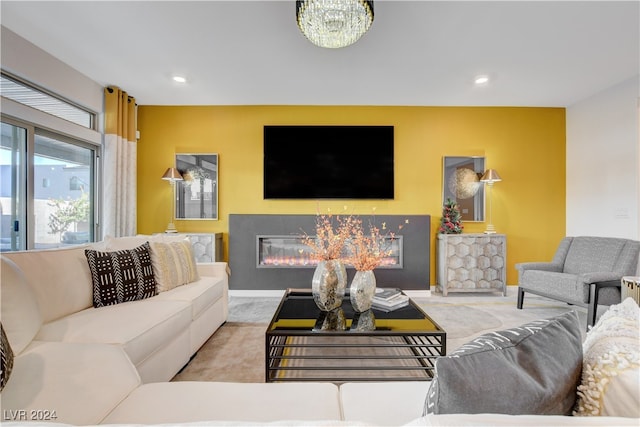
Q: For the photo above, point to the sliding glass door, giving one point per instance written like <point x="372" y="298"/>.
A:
<point x="62" y="192"/>
<point x="13" y="188"/>
<point x="47" y="189"/>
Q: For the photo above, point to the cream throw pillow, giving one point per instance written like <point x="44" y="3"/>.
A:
<point x="611" y="365"/>
<point x="174" y="264"/>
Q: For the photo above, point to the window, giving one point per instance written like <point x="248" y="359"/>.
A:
<point x="62" y="194"/>
<point x="47" y="198"/>
<point x="49" y="152"/>
<point x="14" y="89"/>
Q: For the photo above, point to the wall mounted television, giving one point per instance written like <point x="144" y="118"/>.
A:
<point x="328" y="162"/>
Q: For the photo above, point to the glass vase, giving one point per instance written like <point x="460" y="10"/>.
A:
<point x="362" y="290"/>
<point x="328" y="284"/>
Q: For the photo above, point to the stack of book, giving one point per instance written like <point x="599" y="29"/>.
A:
<point x="389" y="299"/>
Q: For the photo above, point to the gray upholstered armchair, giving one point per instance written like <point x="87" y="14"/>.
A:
<point x="585" y="271"/>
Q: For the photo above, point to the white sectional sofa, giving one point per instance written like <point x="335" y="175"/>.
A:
<point x="78" y="365"/>
<point x="158" y="334"/>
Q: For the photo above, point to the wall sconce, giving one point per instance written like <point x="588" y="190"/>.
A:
<point x="172" y="175"/>
<point x="489" y="177"/>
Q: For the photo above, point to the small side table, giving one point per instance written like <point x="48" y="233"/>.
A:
<point x="471" y="262"/>
<point x="630" y="287"/>
<point x="207" y="247"/>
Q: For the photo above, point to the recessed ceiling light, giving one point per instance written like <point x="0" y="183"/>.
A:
<point x="481" y="80"/>
<point x="179" y="79"/>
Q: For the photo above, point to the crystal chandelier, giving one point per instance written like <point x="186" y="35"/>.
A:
<point x="334" y="23"/>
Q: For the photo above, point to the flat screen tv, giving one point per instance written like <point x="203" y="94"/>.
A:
<point x="328" y="162"/>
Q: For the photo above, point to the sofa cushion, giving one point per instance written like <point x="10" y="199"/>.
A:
<point x="611" y="366"/>
<point x="200" y="294"/>
<point x="593" y="254"/>
<point x="6" y="358"/>
<point x="76" y="383"/>
<point x="539" y="363"/>
<point x="183" y="402"/>
<point x="140" y="327"/>
<point x="61" y="281"/>
<point x="120" y="276"/>
<point x="174" y="264"/>
<point x="370" y="402"/>
<point x="20" y="312"/>
<point x="502" y="420"/>
<point x="111" y="243"/>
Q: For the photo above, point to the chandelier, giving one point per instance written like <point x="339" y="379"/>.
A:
<point x="334" y="23"/>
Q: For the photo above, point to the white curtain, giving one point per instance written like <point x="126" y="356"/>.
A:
<point x="119" y="164"/>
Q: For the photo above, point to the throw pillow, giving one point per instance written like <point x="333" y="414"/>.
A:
<point x="611" y="364"/>
<point x="533" y="369"/>
<point x="121" y="276"/>
<point x="174" y="264"/>
<point x="6" y="364"/>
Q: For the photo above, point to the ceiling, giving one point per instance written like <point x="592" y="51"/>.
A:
<point x="537" y="53"/>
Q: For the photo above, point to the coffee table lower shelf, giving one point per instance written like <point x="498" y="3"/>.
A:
<point x="343" y="357"/>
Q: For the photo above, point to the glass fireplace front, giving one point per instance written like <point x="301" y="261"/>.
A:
<point x="290" y="252"/>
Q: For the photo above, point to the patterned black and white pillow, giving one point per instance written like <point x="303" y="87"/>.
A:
<point x="121" y="276"/>
<point x="538" y="363"/>
<point x="7" y="358"/>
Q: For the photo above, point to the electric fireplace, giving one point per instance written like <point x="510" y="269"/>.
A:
<point x="291" y="252"/>
<point x="266" y="252"/>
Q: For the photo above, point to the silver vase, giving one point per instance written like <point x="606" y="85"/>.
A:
<point x="328" y="284"/>
<point x="362" y="290"/>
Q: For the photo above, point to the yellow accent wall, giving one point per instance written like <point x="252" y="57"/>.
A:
<point x="525" y="145"/>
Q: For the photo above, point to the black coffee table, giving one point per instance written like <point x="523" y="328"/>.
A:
<point x="303" y="343"/>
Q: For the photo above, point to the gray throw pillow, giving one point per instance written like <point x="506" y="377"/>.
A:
<point x="532" y="369"/>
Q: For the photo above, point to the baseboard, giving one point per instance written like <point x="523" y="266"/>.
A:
<point x="266" y="293"/>
<point x="417" y="294"/>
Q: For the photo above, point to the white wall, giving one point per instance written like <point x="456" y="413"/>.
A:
<point x="26" y="60"/>
<point x="603" y="158"/>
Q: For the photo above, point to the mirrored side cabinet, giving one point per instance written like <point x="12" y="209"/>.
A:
<point x="471" y="262"/>
<point x="207" y="247"/>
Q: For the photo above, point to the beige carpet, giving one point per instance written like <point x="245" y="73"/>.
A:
<point x="235" y="353"/>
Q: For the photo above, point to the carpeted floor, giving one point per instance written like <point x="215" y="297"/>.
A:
<point x="466" y="316"/>
<point x="236" y="351"/>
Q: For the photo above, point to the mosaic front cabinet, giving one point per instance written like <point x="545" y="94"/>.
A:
<point x="207" y="247"/>
<point x="471" y="263"/>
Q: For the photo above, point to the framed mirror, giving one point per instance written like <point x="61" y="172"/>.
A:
<point x="461" y="183"/>
<point x="197" y="194"/>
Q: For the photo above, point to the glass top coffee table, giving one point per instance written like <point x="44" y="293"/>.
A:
<point x="303" y="343"/>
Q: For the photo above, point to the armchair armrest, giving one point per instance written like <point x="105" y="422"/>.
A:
<point x="599" y="276"/>
<point x="544" y="266"/>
